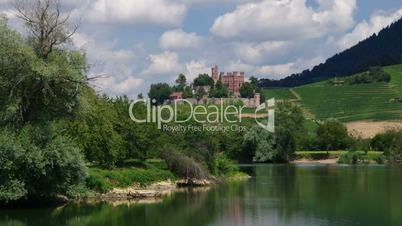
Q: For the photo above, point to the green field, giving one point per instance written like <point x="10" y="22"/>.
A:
<point x="374" y="101"/>
<point x="280" y="94"/>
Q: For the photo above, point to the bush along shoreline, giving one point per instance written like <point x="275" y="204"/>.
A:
<point x="137" y="180"/>
<point x="158" y="177"/>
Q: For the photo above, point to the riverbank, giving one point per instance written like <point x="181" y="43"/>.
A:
<point x="155" y="192"/>
<point x="334" y="157"/>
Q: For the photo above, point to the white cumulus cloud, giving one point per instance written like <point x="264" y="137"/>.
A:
<point x="285" y="20"/>
<point x="194" y="68"/>
<point x="165" y="64"/>
<point x="164" y="12"/>
<point x="128" y="86"/>
<point x="365" y="29"/>
<point x="259" y="52"/>
<point x="178" y="39"/>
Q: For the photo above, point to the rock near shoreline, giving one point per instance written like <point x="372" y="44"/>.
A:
<point x="153" y="191"/>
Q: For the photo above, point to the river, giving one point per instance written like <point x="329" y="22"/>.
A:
<point x="311" y="195"/>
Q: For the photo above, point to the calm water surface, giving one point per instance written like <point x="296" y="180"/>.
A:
<point x="277" y="195"/>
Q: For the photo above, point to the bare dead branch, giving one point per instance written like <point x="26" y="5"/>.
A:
<point x="46" y="23"/>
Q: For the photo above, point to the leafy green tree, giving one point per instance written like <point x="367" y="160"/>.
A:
<point x="289" y="129"/>
<point x="262" y="95"/>
<point x="34" y="90"/>
<point x="254" y="81"/>
<point x="140" y="96"/>
<point x="203" y="80"/>
<point x="280" y="145"/>
<point x="181" y="83"/>
<point x="260" y="144"/>
<point x="96" y="132"/>
<point x="390" y="143"/>
<point x="200" y="93"/>
<point x="188" y="92"/>
<point x="394" y="152"/>
<point x="160" y="92"/>
<point x="375" y="74"/>
<point x="229" y="142"/>
<point x="333" y="135"/>
<point x="382" y="142"/>
<point x="39" y="161"/>
<point x="219" y="91"/>
<point x="247" y="90"/>
<point x="139" y="140"/>
<point x="40" y="87"/>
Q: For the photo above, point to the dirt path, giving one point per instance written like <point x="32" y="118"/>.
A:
<point x="368" y="129"/>
<point x="306" y="112"/>
<point x="254" y="116"/>
<point x="298" y="97"/>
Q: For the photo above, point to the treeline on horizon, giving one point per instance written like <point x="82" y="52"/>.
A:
<point x="380" y="49"/>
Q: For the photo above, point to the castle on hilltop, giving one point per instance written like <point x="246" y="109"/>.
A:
<point x="233" y="80"/>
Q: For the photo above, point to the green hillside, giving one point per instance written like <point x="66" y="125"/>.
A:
<point x="349" y="102"/>
<point x="284" y="93"/>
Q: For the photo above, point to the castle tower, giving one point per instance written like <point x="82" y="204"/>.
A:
<point x="215" y="73"/>
<point x="221" y="75"/>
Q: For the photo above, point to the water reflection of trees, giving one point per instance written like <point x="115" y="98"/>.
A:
<point x="368" y="195"/>
<point x="179" y="209"/>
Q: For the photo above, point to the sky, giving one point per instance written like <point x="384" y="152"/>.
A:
<point x="135" y="43"/>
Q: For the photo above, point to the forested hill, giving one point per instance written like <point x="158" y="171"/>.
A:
<point x="379" y="50"/>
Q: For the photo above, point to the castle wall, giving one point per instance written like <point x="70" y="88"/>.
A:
<point x="249" y="103"/>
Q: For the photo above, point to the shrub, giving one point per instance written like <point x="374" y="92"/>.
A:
<point x="390" y="143"/>
<point x="97" y="182"/>
<point x="224" y="166"/>
<point x="360" y="144"/>
<point x="184" y="166"/>
<point x="352" y="157"/>
<point x="333" y="135"/>
<point x="381" y="159"/>
<point x="38" y="162"/>
<point x="382" y="142"/>
<point x="247" y="90"/>
<point x="375" y="74"/>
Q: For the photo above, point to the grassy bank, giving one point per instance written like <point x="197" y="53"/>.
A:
<point x="101" y="180"/>
<point x="134" y="172"/>
<point x="130" y="173"/>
